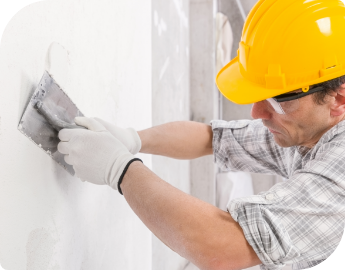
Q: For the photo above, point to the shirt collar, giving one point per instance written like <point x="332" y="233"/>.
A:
<point x="330" y="134"/>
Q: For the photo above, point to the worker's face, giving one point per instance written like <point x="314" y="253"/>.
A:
<point x="303" y="127"/>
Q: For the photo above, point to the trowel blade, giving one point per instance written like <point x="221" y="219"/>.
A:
<point x="36" y="127"/>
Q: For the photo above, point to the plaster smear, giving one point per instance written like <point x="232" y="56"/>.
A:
<point x="58" y="62"/>
<point x="159" y="23"/>
<point x="180" y="11"/>
<point x="99" y="52"/>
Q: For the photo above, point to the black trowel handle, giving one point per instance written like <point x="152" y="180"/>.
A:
<point x="57" y="123"/>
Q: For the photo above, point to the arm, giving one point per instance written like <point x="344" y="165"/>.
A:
<point x="179" y="140"/>
<point x="198" y="231"/>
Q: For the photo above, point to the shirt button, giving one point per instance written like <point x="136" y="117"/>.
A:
<point x="270" y="197"/>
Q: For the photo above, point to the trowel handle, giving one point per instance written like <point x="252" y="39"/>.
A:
<point x="57" y="123"/>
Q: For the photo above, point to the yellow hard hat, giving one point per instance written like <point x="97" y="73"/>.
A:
<point x="286" y="45"/>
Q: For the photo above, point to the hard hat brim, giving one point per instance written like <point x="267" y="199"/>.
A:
<point x="239" y="90"/>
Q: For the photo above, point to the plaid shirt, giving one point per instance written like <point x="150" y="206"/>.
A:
<point x="299" y="221"/>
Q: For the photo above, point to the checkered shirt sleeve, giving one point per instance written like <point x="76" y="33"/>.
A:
<point x="299" y="221"/>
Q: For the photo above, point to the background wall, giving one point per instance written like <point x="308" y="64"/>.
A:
<point x="203" y="92"/>
<point x="99" y="51"/>
<point x="237" y="11"/>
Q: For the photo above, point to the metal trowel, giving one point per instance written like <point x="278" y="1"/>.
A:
<point x="49" y="111"/>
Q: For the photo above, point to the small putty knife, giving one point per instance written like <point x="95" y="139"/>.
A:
<point x="49" y="111"/>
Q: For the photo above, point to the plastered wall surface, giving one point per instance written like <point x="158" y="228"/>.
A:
<point x="170" y="101"/>
<point x="99" y="51"/>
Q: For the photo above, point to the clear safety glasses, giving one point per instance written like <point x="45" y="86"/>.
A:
<point x="289" y="102"/>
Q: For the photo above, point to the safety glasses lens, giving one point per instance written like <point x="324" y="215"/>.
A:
<point x="284" y="107"/>
<point x="290" y="106"/>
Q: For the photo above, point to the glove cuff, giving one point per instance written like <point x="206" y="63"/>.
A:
<point x="124" y="172"/>
<point x="136" y="147"/>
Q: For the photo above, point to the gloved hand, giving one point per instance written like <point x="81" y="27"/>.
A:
<point x="95" y="154"/>
<point x="129" y="137"/>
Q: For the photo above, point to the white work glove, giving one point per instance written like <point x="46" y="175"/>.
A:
<point x="129" y="137"/>
<point x="95" y="154"/>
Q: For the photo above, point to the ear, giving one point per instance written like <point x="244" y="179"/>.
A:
<point x="338" y="106"/>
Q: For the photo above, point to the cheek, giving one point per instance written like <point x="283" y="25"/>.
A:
<point x="293" y="125"/>
<point x="310" y="118"/>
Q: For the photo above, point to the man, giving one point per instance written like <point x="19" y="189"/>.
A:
<point x="290" y="65"/>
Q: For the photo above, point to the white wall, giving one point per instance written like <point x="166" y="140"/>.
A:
<point x="99" y="51"/>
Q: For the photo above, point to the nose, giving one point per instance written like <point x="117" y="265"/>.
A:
<point x="261" y="110"/>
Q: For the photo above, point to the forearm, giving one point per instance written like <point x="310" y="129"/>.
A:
<point x="198" y="231"/>
<point x="179" y="140"/>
